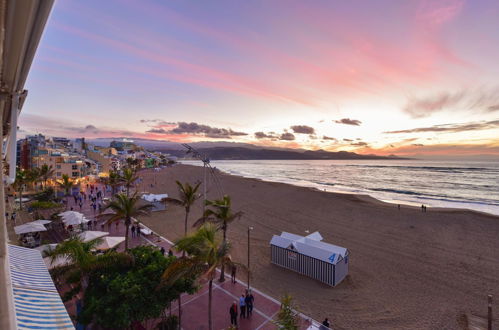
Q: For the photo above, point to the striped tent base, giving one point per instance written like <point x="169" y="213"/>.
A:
<point x="36" y="300"/>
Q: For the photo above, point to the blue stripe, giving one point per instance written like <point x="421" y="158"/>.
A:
<point x="20" y="319"/>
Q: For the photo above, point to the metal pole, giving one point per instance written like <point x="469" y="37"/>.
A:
<point x="249" y="229"/>
<point x="489" y="316"/>
<point x="204" y="185"/>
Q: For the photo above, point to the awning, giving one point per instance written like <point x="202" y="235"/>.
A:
<point x="36" y="300"/>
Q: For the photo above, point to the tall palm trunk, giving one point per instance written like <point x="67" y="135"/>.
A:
<point x="179" y="313"/>
<point x="128" y="221"/>
<point x="20" y="198"/>
<point x="210" y="286"/>
<point x="222" y="270"/>
<point x="187" y="210"/>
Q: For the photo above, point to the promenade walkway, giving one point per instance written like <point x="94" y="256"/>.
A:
<point x="195" y="307"/>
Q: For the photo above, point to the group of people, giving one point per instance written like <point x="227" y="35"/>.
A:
<point x="245" y="307"/>
<point x="94" y="197"/>
<point x="136" y="231"/>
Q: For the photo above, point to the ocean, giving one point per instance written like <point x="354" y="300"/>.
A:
<point x="453" y="184"/>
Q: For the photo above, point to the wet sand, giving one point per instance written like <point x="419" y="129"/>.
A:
<point x="408" y="269"/>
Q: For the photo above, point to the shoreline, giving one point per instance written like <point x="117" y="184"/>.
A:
<point x="359" y="195"/>
<point x="403" y="264"/>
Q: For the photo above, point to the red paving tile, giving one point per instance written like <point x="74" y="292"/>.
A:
<point x="195" y="307"/>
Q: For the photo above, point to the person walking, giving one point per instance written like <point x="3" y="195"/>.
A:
<point x="170" y="254"/>
<point x="242" y="306"/>
<point x="249" y="303"/>
<point x="138" y="231"/>
<point x="162" y="251"/>
<point x="133" y="231"/>
<point x="94" y="205"/>
<point x="233" y="314"/>
<point x="325" y="324"/>
<point x="233" y="274"/>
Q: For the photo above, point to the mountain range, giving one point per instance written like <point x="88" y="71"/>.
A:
<point x="239" y="151"/>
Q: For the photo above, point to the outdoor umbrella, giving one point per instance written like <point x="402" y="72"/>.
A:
<point x="109" y="242"/>
<point x="41" y="222"/>
<point x="73" y="218"/>
<point x="29" y="228"/>
<point x="70" y="213"/>
<point x="72" y="221"/>
<point x="90" y="235"/>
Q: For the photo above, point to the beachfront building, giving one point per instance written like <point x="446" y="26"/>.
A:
<point x="309" y="256"/>
<point x="26" y="148"/>
<point x="62" y="162"/>
<point x="106" y="158"/>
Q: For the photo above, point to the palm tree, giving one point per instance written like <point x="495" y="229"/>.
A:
<point x="188" y="195"/>
<point x="46" y="172"/>
<point x="125" y="208"/>
<point x="19" y="183"/>
<point x="221" y="216"/>
<point x="33" y="177"/>
<point x="128" y="178"/>
<point x="67" y="185"/>
<point x="77" y="260"/>
<point x="205" y="252"/>
<point x="114" y="181"/>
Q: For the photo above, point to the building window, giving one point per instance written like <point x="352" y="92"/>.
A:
<point x="58" y="167"/>
<point x="75" y="174"/>
<point x="74" y="167"/>
<point x="58" y="174"/>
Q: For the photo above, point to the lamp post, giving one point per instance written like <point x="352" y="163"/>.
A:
<point x="249" y="230"/>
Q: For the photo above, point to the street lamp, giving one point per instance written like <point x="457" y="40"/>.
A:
<point x="249" y="230"/>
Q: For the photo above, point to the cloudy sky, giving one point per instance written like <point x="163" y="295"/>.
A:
<point x="384" y="76"/>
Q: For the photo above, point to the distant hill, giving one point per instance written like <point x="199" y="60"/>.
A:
<point x="241" y="153"/>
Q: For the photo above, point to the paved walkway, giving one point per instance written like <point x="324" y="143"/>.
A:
<point x="195" y="307"/>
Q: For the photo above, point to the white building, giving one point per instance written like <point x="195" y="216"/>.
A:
<point x="309" y="256"/>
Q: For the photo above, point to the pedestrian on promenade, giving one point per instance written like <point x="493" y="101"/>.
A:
<point x="325" y="324"/>
<point x="170" y="254"/>
<point x="242" y="306"/>
<point x="81" y="204"/>
<point x="249" y="303"/>
<point x="133" y="231"/>
<point x="233" y="314"/>
<point x="162" y="250"/>
<point x="95" y="207"/>
<point x="138" y="231"/>
<point x="233" y="274"/>
<point x="13" y="217"/>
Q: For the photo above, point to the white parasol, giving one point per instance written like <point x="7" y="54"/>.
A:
<point x="29" y="228"/>
<point x="41" y="222"/>
<point x="90" y="235"/>
<point x="109" y="242"/>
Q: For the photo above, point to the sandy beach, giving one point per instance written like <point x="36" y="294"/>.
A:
<point x="408" y="269"/>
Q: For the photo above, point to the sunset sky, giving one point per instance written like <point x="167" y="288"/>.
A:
<point x="385" y="77"/>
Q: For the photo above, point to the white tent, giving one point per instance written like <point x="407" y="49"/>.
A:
<point x="90" y="235"/>
<point x="41" y="222"/>
<point x="110" y="242"/>
<point x="29" y="228"/>
<point x="154" y="197"/>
